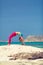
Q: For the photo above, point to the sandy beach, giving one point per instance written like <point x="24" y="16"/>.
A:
<point x="20" y="55"/>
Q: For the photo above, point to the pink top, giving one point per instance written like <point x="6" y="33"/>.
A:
<point x="12" y="35"/>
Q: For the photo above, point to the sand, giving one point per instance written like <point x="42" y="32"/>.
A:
<point x="22" y="62"/>
<point x="6" y="51"/>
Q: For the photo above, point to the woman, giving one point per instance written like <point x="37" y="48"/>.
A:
<point x="21" y="39"/>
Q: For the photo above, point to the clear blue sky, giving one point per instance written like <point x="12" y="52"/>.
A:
<point x="25" y="16"/>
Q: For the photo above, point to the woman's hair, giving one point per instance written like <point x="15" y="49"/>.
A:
<point x="19" y="38"/>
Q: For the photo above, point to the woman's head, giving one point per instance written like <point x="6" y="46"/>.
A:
<point x="21" y="39"/>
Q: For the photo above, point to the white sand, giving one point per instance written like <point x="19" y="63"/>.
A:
<point x="13" y="49"/>
<point x="5" y="51"/>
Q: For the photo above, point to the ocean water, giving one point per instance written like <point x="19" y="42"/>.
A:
<point x="35" y="44"/>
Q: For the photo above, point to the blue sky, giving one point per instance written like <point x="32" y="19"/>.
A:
<point x="25" y="16"/>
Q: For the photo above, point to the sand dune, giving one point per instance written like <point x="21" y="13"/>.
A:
<point x="14" y="49"/>
<point x="20" y="54"/>
<point x="22" y="62"/>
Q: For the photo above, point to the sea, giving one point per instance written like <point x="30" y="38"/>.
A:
<point x="34" y="44"/>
